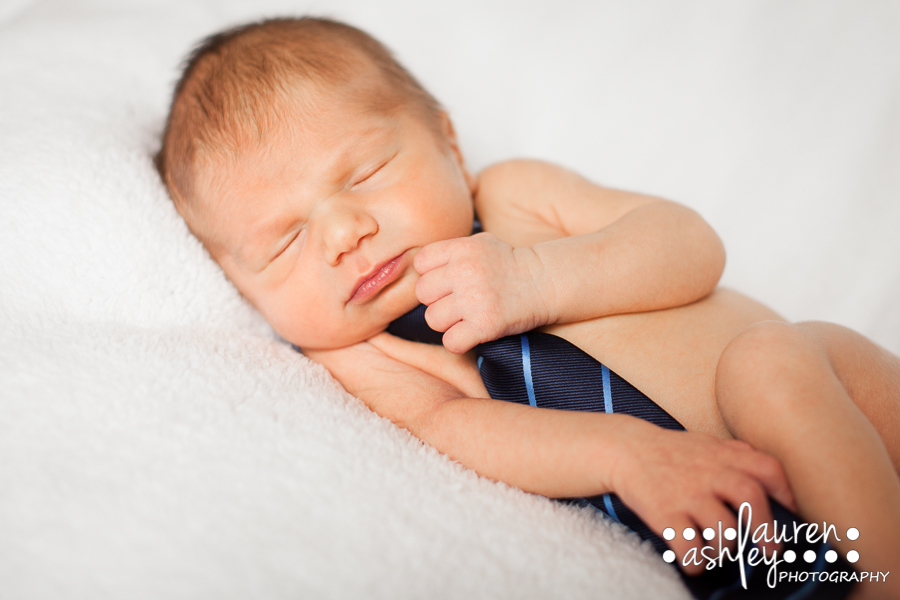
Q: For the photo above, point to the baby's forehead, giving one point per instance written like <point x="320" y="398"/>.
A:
<point x="330" y="127"/>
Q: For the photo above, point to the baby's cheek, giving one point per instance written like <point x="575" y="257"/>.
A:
<point x="321" y="332"/>
<point x="290" y="320"/>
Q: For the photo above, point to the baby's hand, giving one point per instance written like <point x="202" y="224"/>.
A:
<point x="480" y="288"/>
<point x="684" y="480"/>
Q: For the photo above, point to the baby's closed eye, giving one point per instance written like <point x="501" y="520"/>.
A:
<point x="287" y="243"/>
<point x="371" y="173"/>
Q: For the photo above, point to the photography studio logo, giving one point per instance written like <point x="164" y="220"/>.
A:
<point x="715" y="556"/>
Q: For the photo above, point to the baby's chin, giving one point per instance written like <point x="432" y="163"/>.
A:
<point x="401" y="302"/>
<point x="397" y="299"/>
<point x="363" y="327"/>
<point x="334" y="341"/>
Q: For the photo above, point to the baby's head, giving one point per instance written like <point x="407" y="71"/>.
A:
<point x="313" y="167"/>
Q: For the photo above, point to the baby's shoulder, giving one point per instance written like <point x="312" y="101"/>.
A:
<point x="522" y="183"/>
<point x="514" y="200"/>
<point x="526" y="201"/>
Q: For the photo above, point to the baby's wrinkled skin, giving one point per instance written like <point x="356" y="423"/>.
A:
<point x="343" y="222"/>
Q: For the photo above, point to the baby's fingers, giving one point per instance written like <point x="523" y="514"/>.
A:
<point x="738" y="489"/>
<point x="681" y="536"/>
<point x="443" y="314"/>
<point x="768" y="471"/>
<point x="461" y="338"/>
<point x="434" y="255"/>
<point x="688" y="534"/>
<point x="709" y="516"/>
<point x="433" y="285"/>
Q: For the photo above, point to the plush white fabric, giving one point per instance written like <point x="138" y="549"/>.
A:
<point x="156" y="440"/>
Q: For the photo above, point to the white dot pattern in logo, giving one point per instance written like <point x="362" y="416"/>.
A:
<point x="789" y="556"/>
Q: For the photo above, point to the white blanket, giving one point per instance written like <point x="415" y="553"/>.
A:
<point x="158" y="441"/>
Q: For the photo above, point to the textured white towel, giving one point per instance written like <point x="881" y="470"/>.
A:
<point x="156" y="440"/>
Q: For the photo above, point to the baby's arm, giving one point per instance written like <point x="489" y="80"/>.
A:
<point x="671" y="479"/>
<point x="562" y="249"/>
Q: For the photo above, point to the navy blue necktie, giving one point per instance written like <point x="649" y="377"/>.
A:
<point x="546" y="371"/>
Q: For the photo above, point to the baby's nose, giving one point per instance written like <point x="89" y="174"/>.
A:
<point x="343" y="231"/>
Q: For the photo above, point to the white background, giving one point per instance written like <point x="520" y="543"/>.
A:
<point x="156" y="441"/>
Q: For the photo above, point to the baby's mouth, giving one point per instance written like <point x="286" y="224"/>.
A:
<point x="373" y="283"/>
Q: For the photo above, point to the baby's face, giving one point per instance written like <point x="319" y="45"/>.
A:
<point x="319" y="229"/>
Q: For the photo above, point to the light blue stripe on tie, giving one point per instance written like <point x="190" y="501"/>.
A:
<point x="607" y="390"/>
<point x="480" y="360"/>
<point x="526" y="369"/>
<point x="607" y="501"/>
<point x="607" y="407"/>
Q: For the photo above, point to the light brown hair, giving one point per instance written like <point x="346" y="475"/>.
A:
<point x="241" y="84"/>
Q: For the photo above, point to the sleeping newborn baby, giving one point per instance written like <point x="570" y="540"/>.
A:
<point x="584" y="349"/>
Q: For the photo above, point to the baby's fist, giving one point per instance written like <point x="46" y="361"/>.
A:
<point x="480" y="288"/>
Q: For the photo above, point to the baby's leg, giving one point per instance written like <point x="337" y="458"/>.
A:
<point x="870" y="375"/>
<point x="787" y="390"/>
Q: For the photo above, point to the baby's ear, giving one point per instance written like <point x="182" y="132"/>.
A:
<point x="449" y="134"/>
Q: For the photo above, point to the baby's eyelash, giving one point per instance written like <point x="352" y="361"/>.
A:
<point x="370" y="174"/>
<point x="288" y="245"/>
<point x="376" y="170"/>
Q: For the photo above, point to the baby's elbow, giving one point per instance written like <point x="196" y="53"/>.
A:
<point x="443" y="423"/>
<point x="431" y="413"/>
<point x="713" y="258"/>
<point x="717" y="257"/>
<point x="701" y="255"/>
